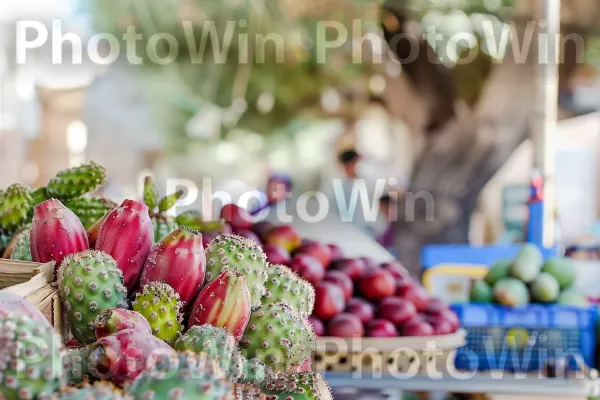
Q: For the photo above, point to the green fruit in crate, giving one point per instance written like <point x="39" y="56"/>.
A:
<point x="284" y="286"/>
<point x="197" y="377"/>
<point x="101" y="390"/>
<point x="76" y="365"/>
<point x="279" y="336"/>
<point x="511" y="292"/>
<point x="481" y="292"/>
<point x="573" y="297"/>
<point x="528" y="263"/>
<point x="39" y="195"/>
<point x="298" y="386"/>
<point x="161" y="306"/>
<point x="500" y="270"/>
<point x="90" y="209"/>
<point x="30" y="358"/>
<point x="15" y="208"/>
<point x="545" y="288"/>
<point x="218" y="344"/>
<point x="563" y="269"/>
<point x="76" y="181"/>
<point x="18" y="247"/>
<point x="243" y="255"/>
<point x="89" y="283"/>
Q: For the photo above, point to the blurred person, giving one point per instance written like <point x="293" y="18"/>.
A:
<point x="388" y="208"/>
<point x="277" y="191"/>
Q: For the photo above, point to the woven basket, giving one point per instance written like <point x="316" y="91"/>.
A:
<point x="396" y="356"/>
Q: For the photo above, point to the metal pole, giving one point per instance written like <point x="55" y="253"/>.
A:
<point x="545" y="120"/>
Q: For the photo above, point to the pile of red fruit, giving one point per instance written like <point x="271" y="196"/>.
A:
<point x="355" y="297"/>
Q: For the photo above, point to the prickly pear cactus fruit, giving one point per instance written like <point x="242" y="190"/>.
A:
<point x="249" y="392"/>
<point x="161" y="306"/>
<point x="284" y="286"/>
<point x="89" y="282"/>
<point x="90" y="209"/>
<point x="113" y="320"/>
<point x="76" y="367"/>
<point x="301" y="386"/>
<point x="279" y="336"/>
<point x="39" y="195"/>
<point x="11" y="303"/>
<point x="77" y="181"/>
<point x="241" y="254"/>
<point x="197" y="377"/>
<point x="30" y="355"/>
<point x="15" y="207"/>
<point x="18" y="247"/>
<point x="254" y="372"/>
<point x="101" y="390"/>
<point x="5" y="239"/>
<point x="163" y="225"/>
<point x="218" y="344"/>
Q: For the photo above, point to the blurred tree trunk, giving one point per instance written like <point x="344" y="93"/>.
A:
<point x="462" y="147"/>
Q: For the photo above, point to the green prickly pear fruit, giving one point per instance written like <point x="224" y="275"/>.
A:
<point x="218" y="344"/>
<point x="76" y="365"/>
<point x="11" y="303"/>
<point x="39" y="196"/>
<point x="30" y="355"/>
<point x="196" y="376"/>
<point x="301" y="386"/>
<point x="283" y="285"/>
<point x="511" y="292"/>
<point x="528" y="263"/>
<point x="90" y="209"/>
<point x="76" y="181"/>
<point x="18" y="248"/>
<point x="89" y="283"/>
<point x="249" y="392"/>
<point x="481" y="292"/>
<point x="500" y="270"/>
<point x="545" y="288"/>
<point x="573" y="298"/>
<point x="5" y="239"/>
<point x="15" y="208"/>
<point x="163" y="225"/>
<point x="101" y="390"/>
<point x="244" y="255"/>
<point x="150" y="193"/>
<point x="254" y="372"/>
<point x="562" y="269"/>
<point x="160" y="304"/>
<point x="279" y="336"/>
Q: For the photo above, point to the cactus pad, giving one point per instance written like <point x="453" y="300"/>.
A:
<point x="18" y="247"/>
<point x="15" y="208"/>
<point x="241" y="254"/>
<point x="89" y="283"/>
<point x="196" y="377"/>
<point x="90" y="209"/>
<point x="218" y="344"/>
<point x="76" y="365"/>
<point x="285" y="286"/>
<point x="77" y="181"/>
<point x="161" y="306"/>
<point x="99" y="391"/>
<point x="30" y="355"/>
<point x="279" y="336"/>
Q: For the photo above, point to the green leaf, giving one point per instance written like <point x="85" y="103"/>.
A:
<point x="169" y="201"/>
<point x="150" y="193"/>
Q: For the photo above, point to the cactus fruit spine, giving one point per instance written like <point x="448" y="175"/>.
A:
<point x="243" y="255"/>
<point x="301" y="386"/>
<point x="89" y="282"/>
<point x="113" y="320"/>
<point x="279" y="336"/>
<point x="198" y="377"/>
<point x="77" y="181"/>
<point x="161" y="306"/>
<point x="283" y="285"/>
<point x="30" y="355"/>
<point x="55" y="233"/>
<point x="123" y="356"/>
<point x="163" y="223"/>
<point x="218" y="344"/>
<point x="15" y="207"/>
<point x="126" y="235"/>
<point x="225" y="303"/>
<point x="90" y="209"/>
<point x="19" y="247"/>
<point x="178" y="260"/>
<point x="101" y="390"/>
<point x="76" y="365"/>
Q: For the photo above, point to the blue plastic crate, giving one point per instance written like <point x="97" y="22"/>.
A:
<point x="523" y="339"/>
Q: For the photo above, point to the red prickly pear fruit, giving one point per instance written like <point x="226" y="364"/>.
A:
<point x="178" y="260"/>
<point x="124" y="356"/>
<point x="55" y="233"/>
<point x="236" y="216"/>
<point x="224" y="303"/>
<point x="94" y="230"/>
<point x="11" y="303"/>
<point x="73" y="344"/>
<point x="113" y="320"/>
<point x="127" y="235"/>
